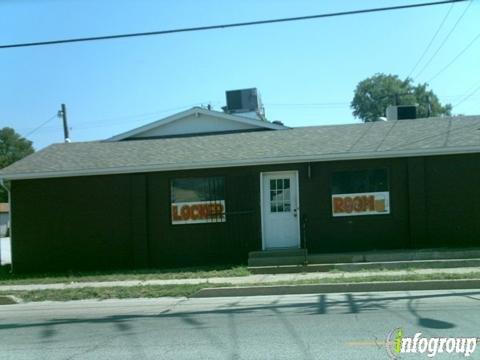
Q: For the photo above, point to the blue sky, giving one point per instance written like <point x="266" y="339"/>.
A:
<point x="305" y="71"/>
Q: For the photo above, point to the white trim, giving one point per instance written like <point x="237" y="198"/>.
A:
<point x="299" y="236"/>
<point x="261" y="209"/>
<point x="196" y="111"/>
<point x="10" y="216"/>
<point x="243" y="162"/>
<point x="283" y="172"/>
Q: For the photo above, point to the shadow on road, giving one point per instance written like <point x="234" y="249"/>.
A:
<point x="350" y="303"/>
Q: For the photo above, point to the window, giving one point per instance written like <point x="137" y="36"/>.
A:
<point x="361" y="181"/>
<point x="280" y="195"/>
<point x="361" y="192"/>
<point x="198" y="200"/>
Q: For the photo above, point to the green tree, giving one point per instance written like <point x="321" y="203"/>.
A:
<point x="13" y="147"/>
<point x="373" y="95"/>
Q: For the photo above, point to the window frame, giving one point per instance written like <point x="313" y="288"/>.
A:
<point x="200" y="176"/>
<point x="363" y="216"/>
<point x="277" y="204"/>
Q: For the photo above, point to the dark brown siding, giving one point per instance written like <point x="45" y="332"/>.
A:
<point x="452" y="187"/>
<point x="354" y="233"/>
<point x="210" y="242"/>
<point x="75" y="223"/>
<point x="123" y="221"/>
<point x="417" y="201"/>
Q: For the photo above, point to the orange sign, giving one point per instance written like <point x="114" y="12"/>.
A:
<point x="361" y="204"/>
<point x="198" y="212"/>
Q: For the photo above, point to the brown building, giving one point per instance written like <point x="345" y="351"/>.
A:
<point x="204" y="187"/>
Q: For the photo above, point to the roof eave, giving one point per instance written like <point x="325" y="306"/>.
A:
<point x="243" y="162"/>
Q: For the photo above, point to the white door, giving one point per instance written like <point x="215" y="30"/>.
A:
<point x="280" y="210"/>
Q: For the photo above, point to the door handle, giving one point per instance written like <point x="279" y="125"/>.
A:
<point x="295" y="212"/>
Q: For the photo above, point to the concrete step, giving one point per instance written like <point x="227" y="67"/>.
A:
<point x="276" y="261"/>
<point x="359" y="266"/>
<point x="394" y="255"/>
<point x="277" y="257"/>
<point x="276" y="253"/>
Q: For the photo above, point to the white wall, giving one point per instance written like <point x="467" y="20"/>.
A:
<point x="195" y="125"/>
<point x="4" y="218"/>
<point x="5" y="252"/>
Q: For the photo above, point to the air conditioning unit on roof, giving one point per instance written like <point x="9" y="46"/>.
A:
<point x="244" y="102"/>
<point x="401" y="112"/>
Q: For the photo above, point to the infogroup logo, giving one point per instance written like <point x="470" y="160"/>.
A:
<point x="397" y="343"/>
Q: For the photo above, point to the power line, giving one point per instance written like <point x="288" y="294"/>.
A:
<point x="455" y="58"/>
<point x="325" y="105"/>
<point x="467" y="97"/>
<point x="444" y="40"/>
<point x="231" y="25"/>
<point x="130" y="118"/>
<point x="40" y="126"/>
<point x="141" y="116"/>
<point x="431" y="41"/>
<point x="433" y="136"/>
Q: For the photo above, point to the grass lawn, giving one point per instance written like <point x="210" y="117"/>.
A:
<point x="6" y="278"/>
<point x="147" y="291"/>
<point x="153" y="291"/>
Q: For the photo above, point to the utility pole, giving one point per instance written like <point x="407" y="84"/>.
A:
<point x="63" y="114"/>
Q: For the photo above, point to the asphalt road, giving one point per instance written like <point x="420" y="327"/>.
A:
<point x="331" y="326"/>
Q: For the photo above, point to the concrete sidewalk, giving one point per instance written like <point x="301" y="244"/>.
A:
<point x="241" y="280"/>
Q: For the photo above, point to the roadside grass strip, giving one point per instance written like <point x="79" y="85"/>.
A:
<point x="117" y="292"/>
<point x="7" y="300"/>
<point x="7" y="278"/>
<point x="187" y="290"/>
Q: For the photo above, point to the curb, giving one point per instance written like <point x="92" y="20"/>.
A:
<point x="339" y="288"/>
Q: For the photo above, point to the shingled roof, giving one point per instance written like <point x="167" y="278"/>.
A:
<point x="421" y="137"/>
